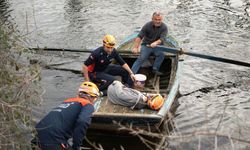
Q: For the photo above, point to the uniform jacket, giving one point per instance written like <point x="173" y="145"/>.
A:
<point x="99" y="60"/>
<point x="70" y="119"/>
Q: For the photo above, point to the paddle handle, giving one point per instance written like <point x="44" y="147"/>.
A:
<point x="220" y="59"/>
<point x="204" y="56"/>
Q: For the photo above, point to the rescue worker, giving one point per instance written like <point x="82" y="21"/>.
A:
<point x="70" y="119"/>
<point x="97" y="67"/>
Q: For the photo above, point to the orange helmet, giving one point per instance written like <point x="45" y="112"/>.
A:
<point x="156" y="102"/>
<point x="109" y="40"/>
<point x="89" y="88"/>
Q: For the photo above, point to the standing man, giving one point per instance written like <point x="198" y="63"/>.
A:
<point x="69" y="120"/>
<point x="97" y="67"/>
<point x="152" y="34"/>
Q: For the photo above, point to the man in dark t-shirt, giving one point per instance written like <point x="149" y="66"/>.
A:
<point x="97" y="67"/>
<point x="152" y="34"/>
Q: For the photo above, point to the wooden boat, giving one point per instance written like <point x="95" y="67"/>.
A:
<point x="109" y="117"/>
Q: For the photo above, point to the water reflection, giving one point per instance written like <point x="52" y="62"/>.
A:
<point x="5" y="11"/>
<point x="74" y="13"/>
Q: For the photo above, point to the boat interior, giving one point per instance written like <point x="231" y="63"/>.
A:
<point x="153" y="85"/>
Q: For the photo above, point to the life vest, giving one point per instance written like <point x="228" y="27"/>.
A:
<point x="78" y="99"/>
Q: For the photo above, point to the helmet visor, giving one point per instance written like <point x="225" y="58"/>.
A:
<point x="108" y="44"/>
<point x="83" y="94"/>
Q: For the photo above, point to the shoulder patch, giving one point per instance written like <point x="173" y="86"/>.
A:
<point x="92" y="57"/>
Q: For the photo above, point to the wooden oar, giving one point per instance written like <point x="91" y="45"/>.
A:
<point x="214" y="58"/>
<point x="62" y="49"/>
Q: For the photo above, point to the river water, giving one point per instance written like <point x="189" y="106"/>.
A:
<point x="215" y="97"/>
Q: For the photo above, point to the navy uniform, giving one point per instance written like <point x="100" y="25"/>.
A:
<point x="101" y="71"/>
<point x="69" y="119"/>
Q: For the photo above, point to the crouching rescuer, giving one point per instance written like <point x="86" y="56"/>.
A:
<point x="70" y="119"/>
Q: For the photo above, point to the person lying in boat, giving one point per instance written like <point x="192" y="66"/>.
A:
<point x="122" y="95"/>
<point x="69" y="120"/>
<point x="153" y="33"/>
<point x="97" y="67"/>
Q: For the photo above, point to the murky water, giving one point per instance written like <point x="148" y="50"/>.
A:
<point x="215" y="96"/>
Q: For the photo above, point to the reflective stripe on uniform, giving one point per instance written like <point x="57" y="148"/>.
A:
<point x="91" y="67"/>
<point x="80" y="100"/>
